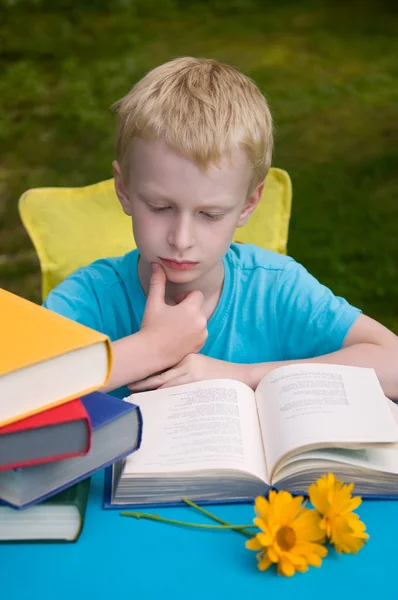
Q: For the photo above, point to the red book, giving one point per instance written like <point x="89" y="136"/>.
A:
<point x="54" y="434"/>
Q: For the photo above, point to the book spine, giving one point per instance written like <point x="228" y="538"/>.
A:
<point x="81" y="501"/>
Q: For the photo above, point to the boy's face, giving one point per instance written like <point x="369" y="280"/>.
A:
<point x="183" y="218"/>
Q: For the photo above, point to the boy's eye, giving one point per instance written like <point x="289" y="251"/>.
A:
<point x="158" y="208"/>
<point x="212" y="216"/>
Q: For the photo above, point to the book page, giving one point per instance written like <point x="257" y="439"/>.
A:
<point x="198" y="426"/>
<point x="320" y="405"/>
<point x="382" y="459"/>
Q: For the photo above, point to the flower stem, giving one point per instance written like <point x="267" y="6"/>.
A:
<point x="139" y="515"/>
<point x="215" y="518"/>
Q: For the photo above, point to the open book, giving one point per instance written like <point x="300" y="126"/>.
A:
<point x="218" y="441"/>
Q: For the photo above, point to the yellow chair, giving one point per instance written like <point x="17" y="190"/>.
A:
<point x="72" y="227"/>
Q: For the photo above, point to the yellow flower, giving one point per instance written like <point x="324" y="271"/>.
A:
<point x="290" y="534"/>
<point x="334" y="502"/>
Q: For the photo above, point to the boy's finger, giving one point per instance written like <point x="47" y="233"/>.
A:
<point x="146" y="385"/>
<point x="181" y="297"/>
<point x="153" y="382"/>
<point x="194" y="297"/>
<point x="157" y="285"/>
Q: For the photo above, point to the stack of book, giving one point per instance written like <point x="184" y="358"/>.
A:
<point x="56" y="428"/>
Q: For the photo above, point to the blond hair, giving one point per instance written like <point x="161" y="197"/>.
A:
<point x="201" y="108"/>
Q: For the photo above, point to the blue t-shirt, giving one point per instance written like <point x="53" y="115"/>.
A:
<point x="270" y="308"/>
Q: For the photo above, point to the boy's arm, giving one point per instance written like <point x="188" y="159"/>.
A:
<point x="312" y="325"/>
<point x="136" y="357"/>
<point x="367" y="344"/>
<point x="167" y="334"/>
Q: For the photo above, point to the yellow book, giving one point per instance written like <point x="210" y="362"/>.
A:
<point x="45" y="359"/>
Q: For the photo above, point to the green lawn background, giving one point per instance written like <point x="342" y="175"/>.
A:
<point x="329" y="71"/>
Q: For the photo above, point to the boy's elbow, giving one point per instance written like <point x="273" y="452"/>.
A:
<point x="383" y="357"/>
<point x="366" y="330"/>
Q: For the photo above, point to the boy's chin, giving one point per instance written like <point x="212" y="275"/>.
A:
<point x="181" y="276"/>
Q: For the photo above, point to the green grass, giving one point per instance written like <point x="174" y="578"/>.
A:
<point x="329" y="72"/>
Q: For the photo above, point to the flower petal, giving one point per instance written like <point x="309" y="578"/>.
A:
<point x="285" y="567"/>
<point x="296" y="559"/>
<point x="314" y="560"/>
<point x="253" y="544"/>
<point x="265" y="539"/>
<point x="347" y="538"/>
<point x="261" y="506"/>
<point x="317" y="493"/>
<point x="311" y="553"/>
<point x="302" y="569"/>
<point x="273" y="555"/>
<point x="307" y="526"/>
<point x="261" y="523"/>
<point x="264" y="563"/>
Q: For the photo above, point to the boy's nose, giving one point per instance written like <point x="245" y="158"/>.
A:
<point x="181" y="234"/>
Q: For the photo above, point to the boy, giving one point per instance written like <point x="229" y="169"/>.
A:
<point x="194" y="147"/>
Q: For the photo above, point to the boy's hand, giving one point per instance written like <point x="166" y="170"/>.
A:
<point x="194" y="367"/>
<point x="175" y="330"/>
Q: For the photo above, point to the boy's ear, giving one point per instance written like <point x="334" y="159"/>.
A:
<point x="250" y="205"/>
<point x="121" y="189"/>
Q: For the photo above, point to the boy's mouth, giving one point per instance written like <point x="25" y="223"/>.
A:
<point x="178" y="265"/>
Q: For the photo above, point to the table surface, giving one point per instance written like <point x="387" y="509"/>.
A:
<point x="117" y="556"/>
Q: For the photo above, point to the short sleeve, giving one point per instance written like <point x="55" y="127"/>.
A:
<point x="75" y="298"/>
<point x="311" y="320"/>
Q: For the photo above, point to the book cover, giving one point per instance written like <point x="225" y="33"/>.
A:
<point x="43" y="437"/>
<point x="116" y="432"/>
<point x="34" y="340"/>
<point x="57" y="519"/>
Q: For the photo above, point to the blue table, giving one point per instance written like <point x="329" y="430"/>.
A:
<point x="118" y="557"/>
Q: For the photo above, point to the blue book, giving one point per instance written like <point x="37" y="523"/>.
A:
<point x="116" y="432"/>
